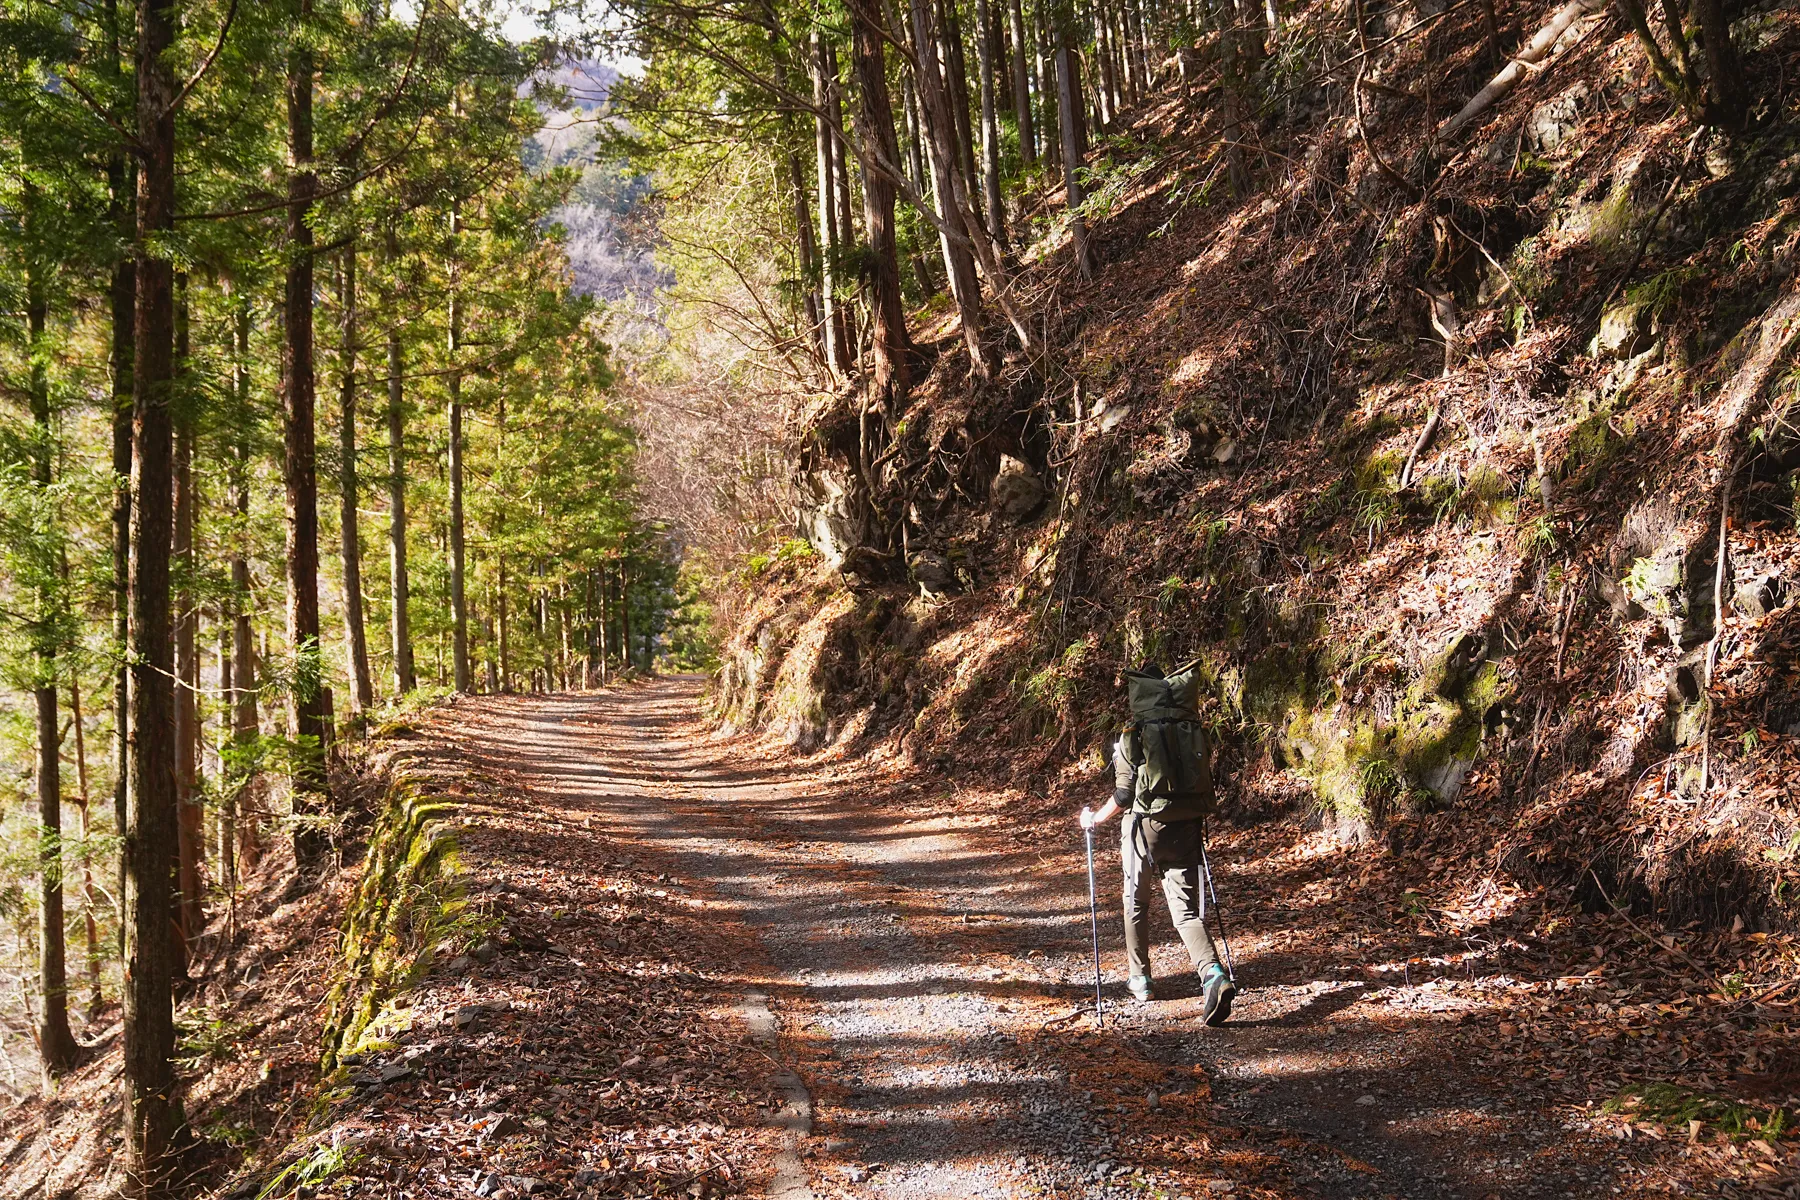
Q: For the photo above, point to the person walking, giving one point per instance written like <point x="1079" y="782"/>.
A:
<point x="1162" y="782"/>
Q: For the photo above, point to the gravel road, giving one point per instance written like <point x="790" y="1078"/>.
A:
<point x="931" y="979"/>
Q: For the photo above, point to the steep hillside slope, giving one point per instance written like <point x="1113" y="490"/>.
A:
<point x="1426" y="448"/>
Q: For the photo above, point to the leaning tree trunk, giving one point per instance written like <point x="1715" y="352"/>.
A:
<point x="1020" y="61"/>
<point x="892" y="374"/>
<point x="990" y="122"/>
<point x="299" y="465"/>
<point x="1068" y="107"/>
<point x="830" y="243"/>
<point x="940" y="123"/>
<point x="356" y="639"/>
<point x="56" y="1045"/>
<point x="1044" y="55"/>
<point x="956" y="79"/>
<point x="152" y="1105"/>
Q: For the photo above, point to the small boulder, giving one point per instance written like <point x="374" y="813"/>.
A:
<point x="1690" y="725"/>
<point x="1682" y="685"/>
<point x="934" y="573"/>
<point x="829" y="514"/>
<point x="1016" y="491"/>
<point x="1659" y="584"/>
<point x="1448" y="670"/>
<point x="498" y="1125"/>
<point x="1446" y="779"/>
<point x="1622" y="605"/>
<point x="1552" y="122"/>
<point x="1758" y="597"/>
<point x="1626" y="330"/>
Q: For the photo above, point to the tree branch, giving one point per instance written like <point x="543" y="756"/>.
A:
<point x="1533" y="53"/>
<point x="353" y="147"/>
<point x="207" y="62"/>
<point x="131" y="142"/>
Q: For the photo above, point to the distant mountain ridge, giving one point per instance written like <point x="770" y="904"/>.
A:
<point x="608" y="258"/>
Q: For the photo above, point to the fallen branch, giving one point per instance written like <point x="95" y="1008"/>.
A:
<point x="1653" y="939"/>
<point x="1568" y="618"/>
<point x="1718" y="630"/>
<point x="1420" y="446"/>
<point x="1655" y="220"/>
<point x="1411" y="189"/>
<point x="1444" y="320"/>
<point x="1534" y="52"/>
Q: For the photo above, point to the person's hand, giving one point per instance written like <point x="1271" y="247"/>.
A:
<point x="1087" y="818"/>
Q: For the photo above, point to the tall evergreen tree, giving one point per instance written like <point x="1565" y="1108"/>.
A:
<point x="152" y="1104"/>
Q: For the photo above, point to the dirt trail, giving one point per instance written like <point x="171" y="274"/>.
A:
<point x="926" y="968"/>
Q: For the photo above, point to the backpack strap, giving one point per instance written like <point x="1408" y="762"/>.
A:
<point x="1131" y="743"/>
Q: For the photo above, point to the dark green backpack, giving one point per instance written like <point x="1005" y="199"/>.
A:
<point x="1167" y="744"/>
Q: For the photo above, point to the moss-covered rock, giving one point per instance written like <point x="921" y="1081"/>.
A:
<point x="1366" y="767"/>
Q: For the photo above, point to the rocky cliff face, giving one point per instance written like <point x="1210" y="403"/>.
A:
<point x="1476" y="502"/>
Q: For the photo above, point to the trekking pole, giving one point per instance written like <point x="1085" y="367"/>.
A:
<point x="1094" y="921"/>
<point x="1206" y="869"/>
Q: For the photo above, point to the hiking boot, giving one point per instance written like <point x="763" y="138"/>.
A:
<point x="1220" y="992"/>
<point x="1141" y="991"/>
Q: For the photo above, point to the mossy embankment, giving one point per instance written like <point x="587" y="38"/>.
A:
<point x="407" y="905"/>
<point x="1464" y="588"/>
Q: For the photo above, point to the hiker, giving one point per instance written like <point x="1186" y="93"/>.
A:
<point x="1162" y="782"/>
